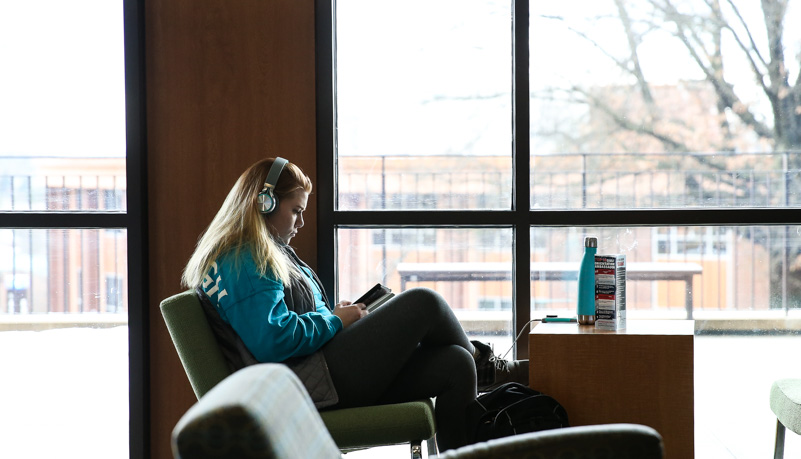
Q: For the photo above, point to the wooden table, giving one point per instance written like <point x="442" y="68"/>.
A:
<point x="641" y="375"/>
<point x="548" y="271"/>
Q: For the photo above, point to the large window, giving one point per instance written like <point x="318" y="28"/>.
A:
<point x="469" y="146"/>
<point x="70" y="215"/>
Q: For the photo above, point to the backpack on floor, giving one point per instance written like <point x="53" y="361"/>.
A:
<point x="510" y="409"/>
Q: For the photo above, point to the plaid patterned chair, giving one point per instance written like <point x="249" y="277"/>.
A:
<point x="263" y="411"/>
<point x="351" y="428"/>
<point x="785" y="402"/>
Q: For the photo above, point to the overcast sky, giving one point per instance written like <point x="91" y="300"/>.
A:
<point x="62" y="78"/>
<point x="422" y="76"/>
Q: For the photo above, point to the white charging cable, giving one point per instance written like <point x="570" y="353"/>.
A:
<point x="522" y="329"/>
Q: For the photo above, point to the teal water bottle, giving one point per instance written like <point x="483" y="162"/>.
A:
<point x="586" y="283"/>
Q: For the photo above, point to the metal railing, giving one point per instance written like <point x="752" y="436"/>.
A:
<point x="746" y="268"/>
<point x="567" y="181"/>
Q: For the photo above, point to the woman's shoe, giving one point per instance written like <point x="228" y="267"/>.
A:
<point x="492" y="371"/>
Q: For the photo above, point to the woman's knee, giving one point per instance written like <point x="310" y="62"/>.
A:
<point x="461" y="363"/>
<point x="426" y="300"/>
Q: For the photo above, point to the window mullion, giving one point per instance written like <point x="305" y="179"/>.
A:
<point x="326" y="145"/>
<point x="521" y="297"/>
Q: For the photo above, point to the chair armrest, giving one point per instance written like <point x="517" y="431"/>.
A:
<point x="620" y="441"/>
<point x="258" y="412"/>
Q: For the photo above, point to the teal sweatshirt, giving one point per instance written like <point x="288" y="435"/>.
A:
<point x="254" y="306"/>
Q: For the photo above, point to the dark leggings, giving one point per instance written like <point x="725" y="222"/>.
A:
<point x="410" y="348"/>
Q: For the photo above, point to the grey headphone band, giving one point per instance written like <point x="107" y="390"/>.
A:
<point x="275" y="172"/>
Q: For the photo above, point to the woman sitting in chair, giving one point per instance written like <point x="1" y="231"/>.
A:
<point x="410" y="348"/>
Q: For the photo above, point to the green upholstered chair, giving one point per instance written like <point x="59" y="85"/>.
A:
<point x="785" y="402"/>
<point x="263" y="411"/>
<point x="351" y="428"/>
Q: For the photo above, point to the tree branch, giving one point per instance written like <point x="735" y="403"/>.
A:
<point x="624" y="123"/>
<point x="747" y="51"/>
<point x="724" y="90"/>
<point x="634" y="43"/>
<point x="620" y="64"/>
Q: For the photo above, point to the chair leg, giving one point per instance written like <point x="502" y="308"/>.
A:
<point x="778" y="452"/>
<point x="417" y="450"/>
<point x="433" y="450"/>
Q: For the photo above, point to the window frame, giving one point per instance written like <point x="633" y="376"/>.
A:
<point x="134" y="220"/>
<point x="520" y="217"/>
<point x="137" y="226"/>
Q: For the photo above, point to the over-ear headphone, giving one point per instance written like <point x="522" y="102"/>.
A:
<point x="267" y="200"/>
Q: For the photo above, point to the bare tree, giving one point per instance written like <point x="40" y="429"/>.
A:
<point x="643" y="116"/>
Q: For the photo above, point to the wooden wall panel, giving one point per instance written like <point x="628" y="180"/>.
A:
<point x="228" y="82"/>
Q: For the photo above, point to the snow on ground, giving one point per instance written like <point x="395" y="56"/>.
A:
<point x="64" y="393"/>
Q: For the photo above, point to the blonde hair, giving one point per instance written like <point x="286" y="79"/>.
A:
<point x="239" y="224"/>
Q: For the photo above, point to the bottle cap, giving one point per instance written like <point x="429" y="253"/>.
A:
<point x="590" y="242"/>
